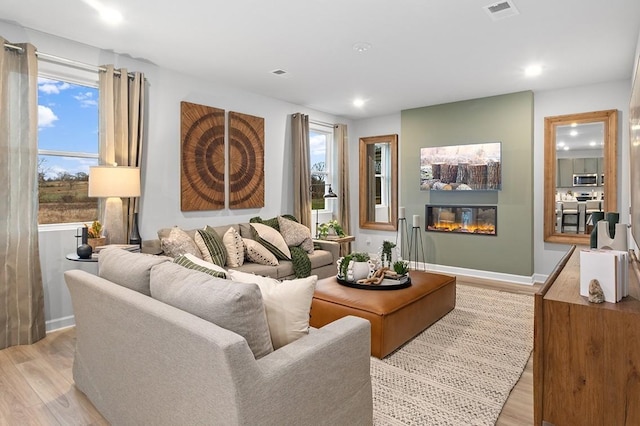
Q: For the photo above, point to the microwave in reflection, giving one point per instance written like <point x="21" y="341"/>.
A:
<point x="590" y="179"/>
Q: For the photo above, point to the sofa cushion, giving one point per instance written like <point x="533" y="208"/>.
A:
<point x="295" y="234"/>
<point x="175" y="241"/>
<point x="258" y="253"/>
<point x="211" y="246"/>
<point x="225" y="303"/>
<point x="189" y="261"/>
<point x="272" y="240"/>
<point x="131" y="270"/>
<point x="235" y="247"/>
<point x="287" y="303"/>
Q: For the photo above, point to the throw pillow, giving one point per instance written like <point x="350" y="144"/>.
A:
<point x="211" y="246"/>
<point x="178" y="242"/>
<point x="272" y="240"/>
<point x="222" y="302"/>
<point x="191" y="262"/>
<point x="295" y="234"/>
<point x="257" y="253"/>
<point x="131" y="270"/>
<point x="288" y="304"/>
<point x="235" y="248"/>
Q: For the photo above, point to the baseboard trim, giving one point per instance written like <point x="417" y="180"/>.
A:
<point x="60" y="323"/>
<point x="480" y="275"/>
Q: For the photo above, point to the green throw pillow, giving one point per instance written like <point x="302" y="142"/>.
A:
<point x="183" y="260"/>
<point x="211" y="246"/>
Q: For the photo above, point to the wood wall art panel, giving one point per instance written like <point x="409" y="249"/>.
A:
<point x="246" y="161"/>
<point x="202" y="157"/>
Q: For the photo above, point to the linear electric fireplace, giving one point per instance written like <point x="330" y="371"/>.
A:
<point x="479" y="220"/>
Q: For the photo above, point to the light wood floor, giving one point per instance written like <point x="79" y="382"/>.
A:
<point x="36" y="384"/>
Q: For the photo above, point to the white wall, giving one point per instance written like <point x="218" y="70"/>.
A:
<point x="611" y="95"/>
<point x="160" y="202"/>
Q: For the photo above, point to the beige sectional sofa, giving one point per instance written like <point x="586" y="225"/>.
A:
<point x="141" y="360"/>
<point x="323" y="259"/>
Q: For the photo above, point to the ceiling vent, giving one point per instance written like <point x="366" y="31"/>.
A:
<point x="501" y="10"/>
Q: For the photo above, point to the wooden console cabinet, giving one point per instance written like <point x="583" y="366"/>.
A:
<point x="586" y="356"/>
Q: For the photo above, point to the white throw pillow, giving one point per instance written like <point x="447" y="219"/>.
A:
<point x="235" y="247"/>
<point x="257" y="253"/>
<point x="288" y="304"/>
<point x="272" y="240"/>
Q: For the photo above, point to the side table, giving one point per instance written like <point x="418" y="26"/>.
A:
<point x="345" y="243"/>
<point x="74" y="257"/>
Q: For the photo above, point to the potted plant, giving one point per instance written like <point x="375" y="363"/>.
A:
<point x="355" y="266"/>
<point x="385" y="256"/>
<point x="325" y="228"/>
<point x="401" y="267"/>
<point x="95" y="237"/>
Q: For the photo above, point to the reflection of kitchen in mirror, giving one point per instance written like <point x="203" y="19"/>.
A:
<point x="579" y="175"/>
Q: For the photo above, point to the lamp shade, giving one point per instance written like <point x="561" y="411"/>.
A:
<point x="330" y="193"/>
<point x="108" y="181"/>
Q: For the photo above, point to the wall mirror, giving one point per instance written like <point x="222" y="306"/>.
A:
<point x="379" y="182"/>
<point x="580" y="173"/>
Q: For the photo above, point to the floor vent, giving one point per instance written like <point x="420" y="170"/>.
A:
<point x="501" y="10"/>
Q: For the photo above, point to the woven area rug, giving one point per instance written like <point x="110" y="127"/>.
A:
<point x="460" y="370"/>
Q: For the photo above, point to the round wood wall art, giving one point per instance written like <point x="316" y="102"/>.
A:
<point x="246" y="161"/>
<point x="203" y="160"/>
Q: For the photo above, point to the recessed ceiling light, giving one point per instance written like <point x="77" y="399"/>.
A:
<point x="561" y="143"/>
<point x="574" y="124"/>
<point x="107" y="14"/>
<point x="533" y="71"/>
<point x="592" y="143"/>
<point x="574" y="133"/>
<point x="358" y="102"/>
<point x="361" y="46"/>
<point x="566" y="148"/>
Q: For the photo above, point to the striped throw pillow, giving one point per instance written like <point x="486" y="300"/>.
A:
<point x="189" y="263"/>
<point x="211" y="246"/>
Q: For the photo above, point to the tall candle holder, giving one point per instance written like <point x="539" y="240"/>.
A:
<point x="402" y="233"/>
<point x="414" y="250"/>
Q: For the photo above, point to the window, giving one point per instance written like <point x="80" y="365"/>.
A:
<point x="320" y="151"/>
<point x="67" y="147"/>
<point x="382" y="172"/>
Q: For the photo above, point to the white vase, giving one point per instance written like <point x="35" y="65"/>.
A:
<point x="360" y="270"/>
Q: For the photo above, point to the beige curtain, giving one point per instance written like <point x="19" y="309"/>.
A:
<point x="21" y="291"/>
<point x="301" y="168"/>
<point x="122" y="100"/>
<point x="342" y="142"/>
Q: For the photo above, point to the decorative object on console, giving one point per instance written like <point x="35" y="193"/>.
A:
<point x="461" y="167"/>
<point x="83" y="250"/>
<point x="593" y="238"/>
<point x="246" y="161"/>
<point x="112" y="183"/>
<point x="595" y="292"/>
<point x="94" y="235"/>
<point x="605" y="239"/>
<point x="202" y="160"/>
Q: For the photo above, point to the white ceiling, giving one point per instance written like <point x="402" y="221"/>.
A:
<point x="424" y="52"/>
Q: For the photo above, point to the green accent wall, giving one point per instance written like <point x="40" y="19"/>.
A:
<point x="507" y="119"/>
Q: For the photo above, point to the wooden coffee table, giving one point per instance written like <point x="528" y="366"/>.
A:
<point x="396" y="316"/>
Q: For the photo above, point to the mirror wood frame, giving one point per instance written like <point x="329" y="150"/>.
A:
<point x="365" y="143"/>
<point x="610" y="149"/>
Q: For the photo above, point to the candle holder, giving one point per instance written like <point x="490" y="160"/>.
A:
<point x="416" y="246"/>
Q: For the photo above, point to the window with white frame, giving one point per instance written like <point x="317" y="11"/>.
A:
<point x="321" y="163"/>
<point x="67" y="147"/>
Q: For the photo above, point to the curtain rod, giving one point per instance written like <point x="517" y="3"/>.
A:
<point x="322" y="123"/>
<point x="64" y="61"/>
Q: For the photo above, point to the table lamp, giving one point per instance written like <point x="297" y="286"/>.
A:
<point x="112" y="183"/>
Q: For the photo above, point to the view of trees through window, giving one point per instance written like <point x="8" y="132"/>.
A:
<point x="319" y="152"/>
<point x="67" y="147"/>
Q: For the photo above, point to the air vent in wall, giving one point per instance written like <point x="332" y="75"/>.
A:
<point x="502" y="9"/>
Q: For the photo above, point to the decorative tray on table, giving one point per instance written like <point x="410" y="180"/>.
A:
<point x="386" y="284"/>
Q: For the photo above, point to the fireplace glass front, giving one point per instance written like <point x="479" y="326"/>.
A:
<point x="479" y="220"/>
